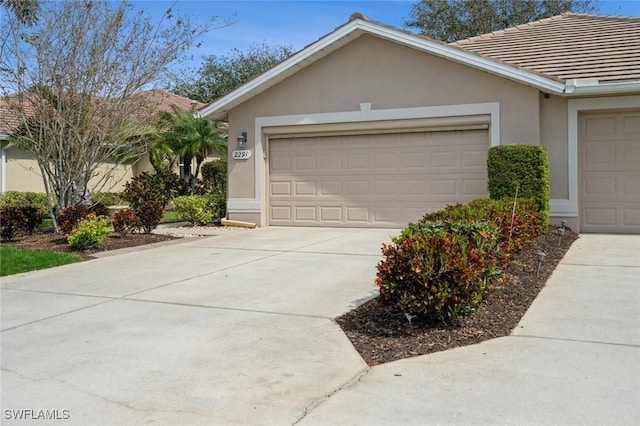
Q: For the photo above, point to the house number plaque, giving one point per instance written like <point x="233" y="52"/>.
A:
<point x="241" y="154"/>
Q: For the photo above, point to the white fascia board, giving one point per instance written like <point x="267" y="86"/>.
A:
<point x="357" y="27"/>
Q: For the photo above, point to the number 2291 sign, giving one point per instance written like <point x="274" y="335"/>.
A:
<point x="242" y="154"/>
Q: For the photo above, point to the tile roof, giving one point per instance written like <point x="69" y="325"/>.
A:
<point x="568" y="46"/>
<point x="162" y="100"/>
<point x="10" y="117"/>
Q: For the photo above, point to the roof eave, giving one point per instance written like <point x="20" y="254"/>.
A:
<point x="220" y="108"/>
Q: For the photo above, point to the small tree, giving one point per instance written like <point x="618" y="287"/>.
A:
<point x="72" y="74"/>
<point x="189" y="137"/>
<point x="219" y="75"/>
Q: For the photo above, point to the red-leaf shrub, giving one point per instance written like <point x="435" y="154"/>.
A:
<point x="515" y="227"/>
<point x="14" y="218"/>
<point x="149" y="213"/>
<point x="125" y="222"/>
<point x="439" y="271"/>
<point x="69" y="217"/>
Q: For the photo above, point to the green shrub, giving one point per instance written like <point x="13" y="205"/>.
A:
<point x="215" y="174"/>
<point x="516" y="226"/>
<point x="17" y="198"/>
<point x="125" y="222"/>
<point x="109" y="198"/>
<point x="14" y="218"/>
<point x="218" y="203"/>
<point x="439" y="271"/>
<point x="522" y="168"/>
<point x="200" y="209"/>
<point x="89" y="232"/>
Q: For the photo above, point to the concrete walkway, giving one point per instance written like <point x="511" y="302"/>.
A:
<point x="238" y="329"/>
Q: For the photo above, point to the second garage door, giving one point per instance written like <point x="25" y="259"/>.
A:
<point x="610" y="172"/>
<point x="375" y="180"/>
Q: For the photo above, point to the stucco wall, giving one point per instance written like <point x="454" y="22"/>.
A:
<point x="553" y="134"/>
<point x="23" y="174"/>
<point x="387" y="75"/>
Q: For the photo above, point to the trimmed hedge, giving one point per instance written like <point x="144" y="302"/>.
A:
<point x="522" y="168"/>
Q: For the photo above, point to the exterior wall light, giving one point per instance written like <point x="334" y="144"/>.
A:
<point x="242" y="140"/>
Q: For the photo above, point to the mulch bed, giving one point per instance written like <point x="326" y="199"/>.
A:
<point x="381" y="334"/>
<point x="47" y="240"/>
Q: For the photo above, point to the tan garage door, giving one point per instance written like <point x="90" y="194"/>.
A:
<point x="610" y="172"/>
<point x="382" y="180"/>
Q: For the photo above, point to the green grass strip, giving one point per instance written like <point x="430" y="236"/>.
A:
<point x="14" y="261"/>
<point x="170" y="217"/>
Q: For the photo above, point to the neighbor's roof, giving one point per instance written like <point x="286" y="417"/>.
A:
<point x="565" y="47"/>
<point x="10" y="118"/>
<point x="162" y="100"/>
<point x="156" y="100"/>
<point x="606" y="43"/>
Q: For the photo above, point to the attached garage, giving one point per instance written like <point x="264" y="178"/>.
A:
<point x="609" y="161"/>
<point x="373" y="180"/>
<point x="372" y="126"/>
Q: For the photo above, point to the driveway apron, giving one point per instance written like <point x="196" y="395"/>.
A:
<point x="236" y="329"/>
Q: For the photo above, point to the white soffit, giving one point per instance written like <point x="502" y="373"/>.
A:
<point x="354" y="29"/>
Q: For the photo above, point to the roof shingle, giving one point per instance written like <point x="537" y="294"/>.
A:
<point x="568" y="46"/>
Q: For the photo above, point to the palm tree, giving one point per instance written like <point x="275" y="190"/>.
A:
<point x="189" y="137"/>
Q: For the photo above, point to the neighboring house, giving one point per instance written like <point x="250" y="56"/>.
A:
<point x="372" y="126"/>
<point x="19" y="170"/>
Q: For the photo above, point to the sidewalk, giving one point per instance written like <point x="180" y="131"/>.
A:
<point x="573" y="359"/>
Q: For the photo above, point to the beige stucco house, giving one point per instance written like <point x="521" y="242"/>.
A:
<point x="371" y="126"/>
<point x="19" y="170"/>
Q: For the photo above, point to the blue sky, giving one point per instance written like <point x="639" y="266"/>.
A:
<point x="298" y="23"/>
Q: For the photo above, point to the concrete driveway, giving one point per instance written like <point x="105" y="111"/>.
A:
<point x="235" y="329"/>
<point x="238" y="329"/>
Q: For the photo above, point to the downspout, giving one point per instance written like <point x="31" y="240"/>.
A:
<point x="3" y="164"/>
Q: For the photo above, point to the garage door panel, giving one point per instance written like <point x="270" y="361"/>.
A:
<point x="396" y="179"/>
<point x="305" y="189"/>
<point x="631" y="186"/>
<point x="631" y="125"/>
<point x="330" y="189"/>
<point x="279" y="189"/>
<point x="631" y="216"/>
<point x="414" y="160"/>
<point x="305" y="214"/>
<point x="609" y="146"/>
